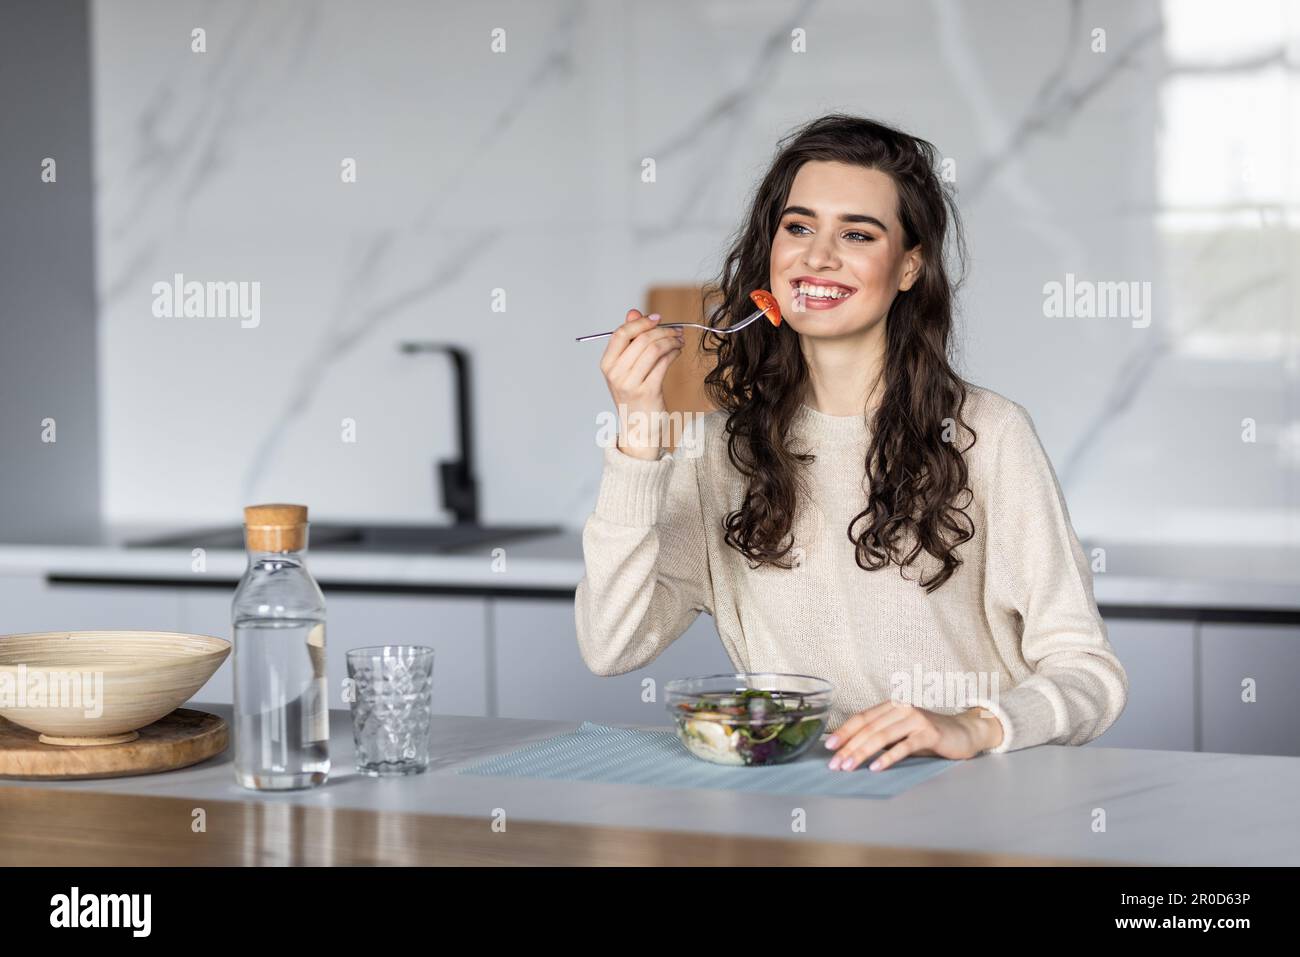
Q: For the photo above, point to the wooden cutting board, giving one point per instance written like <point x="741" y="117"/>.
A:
<point x="178" y="740"/>
<point x="684" y="383"/>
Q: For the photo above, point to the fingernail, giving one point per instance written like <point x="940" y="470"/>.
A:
<point x="835" y="764"/>
<point x="849" y="764"/>
<point x="875" y="765"/>
<point x="832" y="741"/>
<point x="654" y="317"/>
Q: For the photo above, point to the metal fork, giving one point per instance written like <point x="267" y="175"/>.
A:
<point x="677" y="325"/>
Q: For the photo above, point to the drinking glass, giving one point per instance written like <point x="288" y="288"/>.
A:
<point x="392" y="702"/>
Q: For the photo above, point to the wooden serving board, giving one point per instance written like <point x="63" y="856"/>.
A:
<point x="177" y="740"/>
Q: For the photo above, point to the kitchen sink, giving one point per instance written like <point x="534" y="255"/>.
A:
<point x="459" y="497"/>
<point x="325" y="536"/>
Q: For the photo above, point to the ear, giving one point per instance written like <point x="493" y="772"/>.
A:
<point x="912" y="270"/>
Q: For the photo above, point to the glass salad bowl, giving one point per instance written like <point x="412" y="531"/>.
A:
<point x="748" y="719"/>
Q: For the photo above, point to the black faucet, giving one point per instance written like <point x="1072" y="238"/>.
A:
<point x="459" y="486"/>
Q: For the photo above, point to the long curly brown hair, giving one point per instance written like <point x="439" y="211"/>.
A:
<point x="917" y="473"/>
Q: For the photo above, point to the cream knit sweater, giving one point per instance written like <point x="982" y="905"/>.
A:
<point x="1017" y="622"/>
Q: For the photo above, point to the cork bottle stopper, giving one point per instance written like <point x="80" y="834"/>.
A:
<point x="275" y="527"/>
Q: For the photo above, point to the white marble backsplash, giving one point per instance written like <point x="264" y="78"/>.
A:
<point x="520" y="171"/>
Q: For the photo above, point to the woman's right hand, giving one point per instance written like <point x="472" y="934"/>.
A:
<point x="635" y="362"/>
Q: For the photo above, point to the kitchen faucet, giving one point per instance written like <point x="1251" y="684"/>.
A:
<point x="459" y="486"/>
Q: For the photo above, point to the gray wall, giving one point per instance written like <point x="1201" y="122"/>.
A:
<point x="48" y="491"/>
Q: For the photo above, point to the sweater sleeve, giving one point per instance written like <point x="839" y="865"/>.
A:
<point x="647" y="571"/>
<point x="1038" y="571"/>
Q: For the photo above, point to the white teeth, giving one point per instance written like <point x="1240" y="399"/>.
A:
<point x="822" y="292"/>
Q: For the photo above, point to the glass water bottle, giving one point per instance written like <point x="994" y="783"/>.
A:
<point x="281" y="695"/>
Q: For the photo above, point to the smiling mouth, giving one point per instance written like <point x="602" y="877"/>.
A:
<point x="821" y="293"/>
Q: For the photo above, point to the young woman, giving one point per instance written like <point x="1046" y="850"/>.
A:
<point x="852" y="509"/>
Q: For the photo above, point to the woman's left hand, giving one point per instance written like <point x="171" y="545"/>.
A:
<point x="911" y="730"/>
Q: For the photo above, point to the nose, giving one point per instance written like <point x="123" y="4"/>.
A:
<point x="821" y="252"/>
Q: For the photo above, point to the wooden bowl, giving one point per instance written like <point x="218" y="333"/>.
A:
<point x="100" y="687"/>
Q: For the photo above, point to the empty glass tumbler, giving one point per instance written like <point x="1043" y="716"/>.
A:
<point x="391" y="688"/>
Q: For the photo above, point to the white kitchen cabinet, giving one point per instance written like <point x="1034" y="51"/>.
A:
<point x="1269" y="657"/>
<point x="453" y="626"/>
<point x="206" y="611"/>
<point x="518" y="657"/>
<point x="30" y="603"/>
<point x="540" y="674"/>
<point x="1159" y="658"/>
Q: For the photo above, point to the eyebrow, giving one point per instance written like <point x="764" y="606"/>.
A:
<point x="844" y="217"/>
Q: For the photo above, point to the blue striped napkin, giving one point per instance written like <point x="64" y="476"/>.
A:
<point x="597" y="752"/>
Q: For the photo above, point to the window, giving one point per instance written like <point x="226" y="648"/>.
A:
<point x="1229" y="178"/>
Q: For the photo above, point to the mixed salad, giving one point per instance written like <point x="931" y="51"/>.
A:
<point x="749" y="726"/>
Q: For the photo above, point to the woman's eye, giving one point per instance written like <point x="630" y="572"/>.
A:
<point x="858" y="237"/>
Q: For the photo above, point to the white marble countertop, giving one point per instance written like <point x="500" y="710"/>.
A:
<point x="1236" y="577"/>
<point x="1162" y="807"/>
<point x="545" y="562"/>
